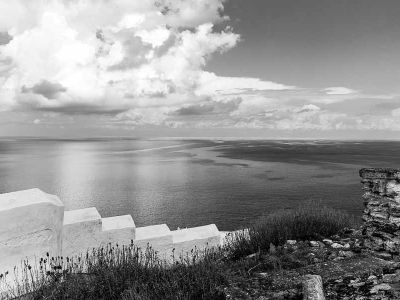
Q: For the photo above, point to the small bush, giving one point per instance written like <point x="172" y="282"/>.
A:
<point x="306" y="222"/>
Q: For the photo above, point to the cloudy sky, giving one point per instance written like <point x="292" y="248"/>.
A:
<point x="234" y="68"/>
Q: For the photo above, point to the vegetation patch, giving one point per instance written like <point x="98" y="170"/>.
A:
<point x="308" y="221"/>
<point x="269" y="260"/>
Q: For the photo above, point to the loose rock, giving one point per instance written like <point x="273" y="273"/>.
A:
<point x="312" y="288"/>
<point x="337" y="246"/>
<point x="380" y="287"/>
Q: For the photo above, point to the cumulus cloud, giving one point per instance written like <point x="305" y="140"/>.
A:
<point x="118" y="56"/>
<point x="138" y="57"/>
<point x="137" y="63"/>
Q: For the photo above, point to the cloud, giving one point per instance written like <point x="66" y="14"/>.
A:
<point x="211" y="84"/>
<point x="45" y="88"/>
<point x="5" y="38"/>
<point x="309" y="108"/>
<point x="126" y="63"/>
<point x="396" y="112"/>
<point x="339" y="91"/>
<point x="119" y="56"/>
<point x="210" y="107"/>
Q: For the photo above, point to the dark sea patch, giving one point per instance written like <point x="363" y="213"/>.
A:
<point x="276" y="178"/>
<point x="323" y="176"/>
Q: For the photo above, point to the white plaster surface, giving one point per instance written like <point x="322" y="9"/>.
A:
<point x="30" y="225"/>
<point x="33" y="223"/>
<point x="159" y="237"/>
<point x="81" y="231"/>
<point x="120" y="229"/>
<point x="81" y="215"/>
<point x="196" y="238"/>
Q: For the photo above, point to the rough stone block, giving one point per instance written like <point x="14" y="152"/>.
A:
<point x="392" y="246"/>
<point x="313" y="288"/>
<point x="379" y="187"/>
<point x="30" y="226"/>
<point x="393" y="187"/>
<point x="394" y="220"/>
<point x="379" y="173"/>
<point x="81" y="231"/>
<point x="379" y="215"/>
<point x="118" y="230"/>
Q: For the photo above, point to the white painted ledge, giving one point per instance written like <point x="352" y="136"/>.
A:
<point x="159" y="237"/>
<point x="29" y="197"/>
<point x="30" y="226"/>
<point x="33" y="222"/>
<point x="85" y="215"/>
<point x="198" y="238"/>
<point x="116" y="223"/>
<point x="195" y="233"/>
<point x="151" y="232"/>
<point x="120" y="229"/>
<point x="81" y="231"/>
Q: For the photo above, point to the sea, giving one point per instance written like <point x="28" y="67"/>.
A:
<point x="186" y="183"/>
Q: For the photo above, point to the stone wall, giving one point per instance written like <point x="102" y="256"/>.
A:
<point x="382" y="209"/>
<point x="33" y="223"/>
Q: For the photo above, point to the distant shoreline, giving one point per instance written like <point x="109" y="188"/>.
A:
<point x="12" y="138"/>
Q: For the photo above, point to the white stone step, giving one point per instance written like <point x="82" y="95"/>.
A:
<point x="85" y="215"/>
<point x="30" y="225"/>
<point x="159" y="237"/>
<point x="198" y="238"/>
<point x="82" y="231"/>
<point x="119" y="229"/>
<point x="151" y="232"/>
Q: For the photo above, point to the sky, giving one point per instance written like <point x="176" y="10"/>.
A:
<point x="200" y="68"/>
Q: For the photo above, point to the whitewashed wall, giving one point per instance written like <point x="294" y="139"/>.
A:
<point x="33" y="223"/>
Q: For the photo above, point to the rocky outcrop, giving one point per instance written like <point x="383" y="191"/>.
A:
<point x="381" y="215"/>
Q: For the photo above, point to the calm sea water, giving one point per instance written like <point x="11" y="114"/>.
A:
<point x="190" y="183"/>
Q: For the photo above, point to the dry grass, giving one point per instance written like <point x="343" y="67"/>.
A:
<point x="123" y="273"/>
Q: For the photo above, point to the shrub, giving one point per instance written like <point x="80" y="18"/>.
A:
<point x="125" y="273"/>
<point x="308" y="221"/>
